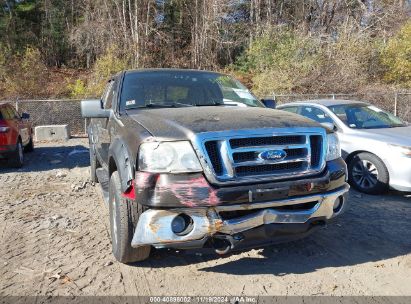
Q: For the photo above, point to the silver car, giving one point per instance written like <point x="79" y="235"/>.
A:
<point x="375" y="144"/>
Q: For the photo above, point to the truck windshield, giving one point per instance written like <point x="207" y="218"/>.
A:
<point x="364" y="116"/>
<point x="148" y="89"/>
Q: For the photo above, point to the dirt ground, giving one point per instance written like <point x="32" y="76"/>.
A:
<point x="55" y="241"/>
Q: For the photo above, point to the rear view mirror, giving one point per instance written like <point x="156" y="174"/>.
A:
<point x="93" y="109"/>
<point x="25" y="116"/>
<point x="269" y="103"/>
<point x="329" y="125"/>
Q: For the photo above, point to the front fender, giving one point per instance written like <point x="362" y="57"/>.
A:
<point x="124" y="162"/>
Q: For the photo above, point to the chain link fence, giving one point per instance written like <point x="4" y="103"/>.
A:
<point x="398" y="103"/>
<point x="402" y="106"/>
<point x="54" y="112"/>
<point x="68" y="111"/>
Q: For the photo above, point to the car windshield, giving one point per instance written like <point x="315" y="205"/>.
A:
<point x="183" y="89"/>
<point x="364" y="116"/>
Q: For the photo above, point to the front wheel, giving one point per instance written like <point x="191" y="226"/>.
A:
<point x="367" y="173"/>
<point x="30" y="146"/>
<point x="124" y="216"/>
<point x="17" y="157"/>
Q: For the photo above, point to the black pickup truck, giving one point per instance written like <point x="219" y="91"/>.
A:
<point x="192" y="159"/>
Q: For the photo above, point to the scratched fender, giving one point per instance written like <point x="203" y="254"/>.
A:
<point x="191" y="190"/>
<point x="124" y="162"/>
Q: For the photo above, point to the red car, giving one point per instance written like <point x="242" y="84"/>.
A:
<point x="16" y="135"/>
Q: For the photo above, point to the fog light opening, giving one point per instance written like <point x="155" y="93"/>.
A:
<point x="338" y="204"/>
<point x="182" y="224"/>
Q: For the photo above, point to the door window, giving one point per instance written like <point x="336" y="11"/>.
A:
<point x="6" y="113"/>
<point x="13" y="113"/>
<point x="291" y="109"/>
<point x="3" y="113"/>
<point x="315" y="114"/>
<point x="108" y="95"/>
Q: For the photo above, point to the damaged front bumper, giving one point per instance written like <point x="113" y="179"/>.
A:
<point x="232" y="222"/>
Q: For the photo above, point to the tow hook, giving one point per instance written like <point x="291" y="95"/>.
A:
<point x="223" y="243"/>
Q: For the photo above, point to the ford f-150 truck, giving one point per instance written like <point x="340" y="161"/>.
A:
<point x="191" y="159"/>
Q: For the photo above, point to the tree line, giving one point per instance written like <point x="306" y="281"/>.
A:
<point x="281" y="45"/>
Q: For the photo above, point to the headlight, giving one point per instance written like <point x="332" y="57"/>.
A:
<point x="333" y="147"/>
<point x="406" y="151"/>
<point x="173" y="157"/>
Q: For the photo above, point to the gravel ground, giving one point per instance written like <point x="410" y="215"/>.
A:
<point x="55" y="241"/>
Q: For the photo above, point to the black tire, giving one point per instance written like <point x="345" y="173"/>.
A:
<point x="367" y="173"/>
<point x="93" y="165"/>
<point x="124" y="216"/>
<point x="30" y="146"/>
<point x="17" y="157"/>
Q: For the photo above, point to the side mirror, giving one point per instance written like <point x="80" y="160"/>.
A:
<point x="93" y="109"/>
<point x="25" y="116"/>
<point x="269" y="103"/>
<point x="329" y="125"/>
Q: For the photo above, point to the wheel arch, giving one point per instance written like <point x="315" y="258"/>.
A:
<point x="19" y="139"/>
<point x="121" y="161"/>
<point x="351" y="155"/>
<point x="112" y="166"/>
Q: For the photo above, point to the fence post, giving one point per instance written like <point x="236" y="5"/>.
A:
<point x="395" y="103"/>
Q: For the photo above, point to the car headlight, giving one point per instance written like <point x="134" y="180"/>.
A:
<point x="173" y="157"/>
<point x="404" y="150"/>
<point x="333" y="147"/>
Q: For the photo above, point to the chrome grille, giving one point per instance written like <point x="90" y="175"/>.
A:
<point x="239" y="157"/>
<point x="267" y="169"/>
<point x="266" y="141"/>
<point x="315" y="145"/>
<point x="213" y="154"/>
<point x="235" y="156"/>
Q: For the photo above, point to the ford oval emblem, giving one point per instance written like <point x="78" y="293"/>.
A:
<point x="273" y="155"/>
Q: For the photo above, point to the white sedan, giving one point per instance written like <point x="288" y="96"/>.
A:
<point x="375" y="144"/>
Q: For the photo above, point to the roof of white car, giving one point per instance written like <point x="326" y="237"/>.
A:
<point x="325" y="102"/>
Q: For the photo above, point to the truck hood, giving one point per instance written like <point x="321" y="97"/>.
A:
<point x="181" y="123"/>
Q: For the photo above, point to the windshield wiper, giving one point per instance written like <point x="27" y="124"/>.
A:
<point x="215" y="104"/>
<point x="168" y="105"/>
<point x="384" y="127"/>
<point x="375" y="127"/>
<point x="162" y="105"/>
